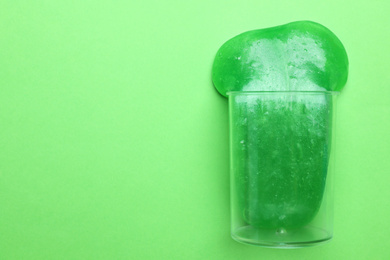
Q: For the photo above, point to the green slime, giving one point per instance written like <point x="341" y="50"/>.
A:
<point x="280" y="144"/>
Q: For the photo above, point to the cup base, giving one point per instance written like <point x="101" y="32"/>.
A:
<point x="281" y="238"/>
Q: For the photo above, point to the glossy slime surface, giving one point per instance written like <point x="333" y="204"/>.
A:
<point x="280" y="144"/>
<point x="300" y="56"/>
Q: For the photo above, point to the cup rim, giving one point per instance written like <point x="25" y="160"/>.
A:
<point x="283" y="92"/>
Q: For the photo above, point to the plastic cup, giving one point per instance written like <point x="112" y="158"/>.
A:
<point x="282" y="164"/>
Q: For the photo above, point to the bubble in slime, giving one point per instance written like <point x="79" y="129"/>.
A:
<point x="281" y="83"/>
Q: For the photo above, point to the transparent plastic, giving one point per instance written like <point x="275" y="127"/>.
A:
<point x="282" y="164"/>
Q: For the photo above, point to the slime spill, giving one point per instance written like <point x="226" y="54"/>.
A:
<point x="299" y="56"/>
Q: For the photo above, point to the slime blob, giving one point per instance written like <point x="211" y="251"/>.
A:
<point x="280" y="144"/>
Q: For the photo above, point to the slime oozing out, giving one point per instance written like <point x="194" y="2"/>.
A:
<point x="279" y="182"/>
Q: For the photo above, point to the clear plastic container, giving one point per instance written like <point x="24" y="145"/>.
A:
<point x="282" y="163"/>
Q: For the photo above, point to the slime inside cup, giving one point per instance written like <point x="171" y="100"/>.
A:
<point x="280" y="183"/>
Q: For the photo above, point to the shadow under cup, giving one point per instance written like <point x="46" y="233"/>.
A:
<point x="281" y="164"/>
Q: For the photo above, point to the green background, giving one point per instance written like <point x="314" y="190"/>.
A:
<point x="114" y="144"/>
